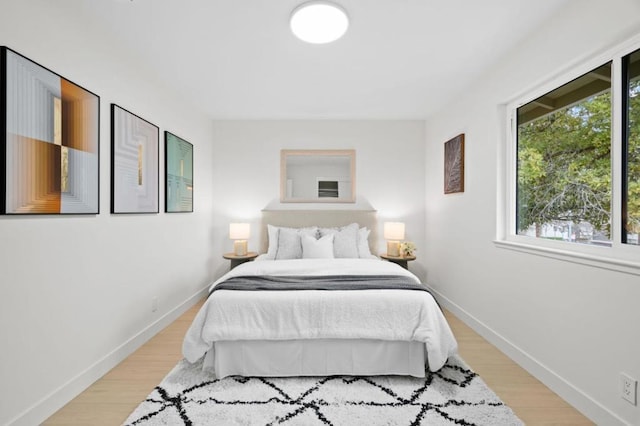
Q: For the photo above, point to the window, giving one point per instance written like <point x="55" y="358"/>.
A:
<point x="564" y="162"/>
<point x="573" y="165"/>
<point x="631" y="149"/>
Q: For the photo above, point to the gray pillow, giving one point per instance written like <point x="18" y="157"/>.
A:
<point x="272" y="232"/>
<point x="345" y="240"/>
<point x="364" y="252"/>
<point x="289" y="243"/>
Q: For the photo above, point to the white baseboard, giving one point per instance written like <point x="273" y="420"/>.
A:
<point x="589" y="407"/>
<point x="57" y="399"/>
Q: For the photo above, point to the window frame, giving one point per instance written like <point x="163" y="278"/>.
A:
<point x="626" y="105"/>
<point x="620" y="256"/>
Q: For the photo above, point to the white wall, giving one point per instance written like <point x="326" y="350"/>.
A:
<point x="574" y="326"/>
<point x="75" y="292"/>
<point x="389" y="171"/>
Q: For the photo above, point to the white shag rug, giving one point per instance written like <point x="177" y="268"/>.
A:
<point x="455" y="395"/>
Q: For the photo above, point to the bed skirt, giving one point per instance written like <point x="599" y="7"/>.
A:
<point x="321" y="357"/>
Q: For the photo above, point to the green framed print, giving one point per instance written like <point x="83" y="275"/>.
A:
<point x="178" y="174"/>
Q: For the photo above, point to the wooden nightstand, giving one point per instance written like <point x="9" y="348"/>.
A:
<point x="400" y="260"/>
<point x="238" y="260"/>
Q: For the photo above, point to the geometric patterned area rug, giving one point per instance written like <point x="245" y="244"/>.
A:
<point x="455" y="395"/>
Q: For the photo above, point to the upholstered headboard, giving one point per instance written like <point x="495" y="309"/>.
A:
<point x="321" y="218"/>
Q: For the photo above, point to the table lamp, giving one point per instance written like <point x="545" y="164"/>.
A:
<point x="393" y="233"/>
<point x="239" y="232"/>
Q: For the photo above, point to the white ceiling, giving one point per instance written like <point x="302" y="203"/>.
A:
<point x="237" y="59"/>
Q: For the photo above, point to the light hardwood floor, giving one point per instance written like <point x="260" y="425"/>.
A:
<point x="111" y="399"/>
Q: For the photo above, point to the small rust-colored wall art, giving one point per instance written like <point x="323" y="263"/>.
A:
<point x="454" y="165"/>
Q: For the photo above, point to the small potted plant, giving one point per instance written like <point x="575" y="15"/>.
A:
<point x="407" y="248"/>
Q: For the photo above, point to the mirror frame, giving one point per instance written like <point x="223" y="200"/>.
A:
<point x="287" y="153"/>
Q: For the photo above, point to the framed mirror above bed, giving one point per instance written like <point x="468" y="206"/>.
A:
<point x="318" y="176"/>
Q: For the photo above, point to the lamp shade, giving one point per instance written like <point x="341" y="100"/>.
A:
<point x="239" y="231"/>
<point x="394" y="231"/>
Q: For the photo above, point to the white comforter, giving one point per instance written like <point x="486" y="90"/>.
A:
<point x="407" y="315"/>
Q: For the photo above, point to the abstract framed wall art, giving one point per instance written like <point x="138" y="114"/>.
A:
<point x="454" y="165"/>
<point x="178" y="174"/>
<point x="49" y="131"/>
<point x="134" y="163"/>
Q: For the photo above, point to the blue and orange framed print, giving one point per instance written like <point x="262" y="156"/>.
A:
<point x="49" y="130"/>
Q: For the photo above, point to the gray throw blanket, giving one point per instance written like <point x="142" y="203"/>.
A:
<point x="334" y="282"/>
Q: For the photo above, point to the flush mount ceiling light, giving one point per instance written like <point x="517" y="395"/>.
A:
<point x="319" y="22"/>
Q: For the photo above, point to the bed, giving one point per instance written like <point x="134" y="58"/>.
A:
<point x="318" y="303"/>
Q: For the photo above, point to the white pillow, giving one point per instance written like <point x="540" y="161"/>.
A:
<point x="317" y="249"/>
<point x="345" y="240"/>
<point x="272" y="232"/>
<point x="364" y="252"/>
<point x="289" y="244"/>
